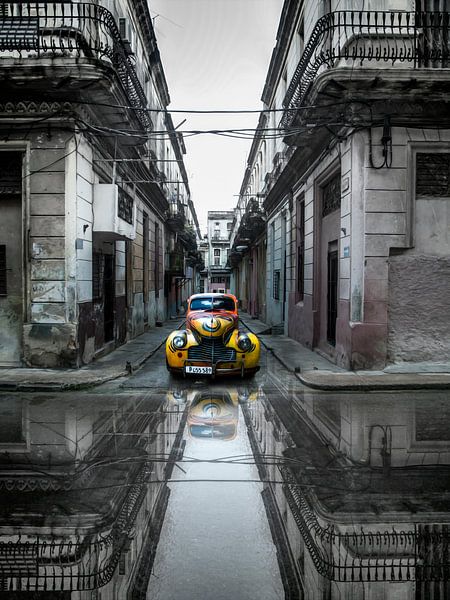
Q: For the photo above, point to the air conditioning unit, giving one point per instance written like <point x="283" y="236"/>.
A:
<point x="114" y="212"/>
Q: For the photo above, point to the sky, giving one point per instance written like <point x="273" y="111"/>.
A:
<point x="215" y="55"/>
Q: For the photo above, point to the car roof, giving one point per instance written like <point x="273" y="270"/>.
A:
<point x="212" y="294"/>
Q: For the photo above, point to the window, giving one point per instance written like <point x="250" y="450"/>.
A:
<point x="157" y="255"/>
<point x="433" y="174"/>
<point x="284" y="84"/>
<point x="331" y="195"/>
<point x="145" y="252"/>
<point x="216" y="303"/>
<point x="229" y="224"/>
<point x="276" y="285"/>
<point x="301" y="39"/>
<point x="216" y="251"/>
<point x="3" y="283"/>
<point x="123" y="28"/>
<point x="125" y="206"/>
<point x="300" y="218"/>
<point x="98" y="266"/>
<point x="332" y="286"/>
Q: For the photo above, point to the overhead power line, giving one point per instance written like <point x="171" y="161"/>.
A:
<point x="219" y="111"/>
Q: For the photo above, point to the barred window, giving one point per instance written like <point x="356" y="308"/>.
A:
<point x="98" y="266"/>
<point x="125" y="207"/>
<point x="433" y="174"/>
<point x="331" y="195"/>
<point x="300" y="247"/>
<point x="276" y="285"/>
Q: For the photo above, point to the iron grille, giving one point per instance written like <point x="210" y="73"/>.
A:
<point x="433" y="174"/>
<point x="364" y="37"/>
<point x="331" y="195"/>
<point x="54" y="29"/>
<point x="212" y="350"/>
<point x="276" y="285"/>
<point x="125" y="206"/>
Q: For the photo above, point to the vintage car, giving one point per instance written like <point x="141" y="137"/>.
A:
<point x="212" y="344"/>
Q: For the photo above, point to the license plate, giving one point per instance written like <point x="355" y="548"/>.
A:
<point x="198" y="370"/>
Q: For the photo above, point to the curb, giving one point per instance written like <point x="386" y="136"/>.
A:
<point x="379" y="386"/>
<point x="50" y="386"/>
<point x="358" y="384"/>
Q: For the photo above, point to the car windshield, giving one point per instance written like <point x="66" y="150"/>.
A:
<point x="213" y="303"/>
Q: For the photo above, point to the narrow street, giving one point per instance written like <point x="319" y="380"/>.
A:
<point x="155" y="487"/>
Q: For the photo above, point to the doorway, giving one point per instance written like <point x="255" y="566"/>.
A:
<point x="332" y="289"/>
<point x="108" y="296"/>
<point x="11" y="267"/>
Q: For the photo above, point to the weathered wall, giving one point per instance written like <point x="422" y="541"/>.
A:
<point x="419" y="308"/>
<point x="50" y="338"/>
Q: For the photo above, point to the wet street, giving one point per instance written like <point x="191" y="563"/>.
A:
<point x="155" y="487"/>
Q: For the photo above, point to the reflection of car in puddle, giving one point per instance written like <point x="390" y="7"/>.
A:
<point x="214" y="416"/>
<point x="213" y="413"/>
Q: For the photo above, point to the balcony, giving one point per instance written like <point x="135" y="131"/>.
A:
<point x="176" y="218"/>
<point x="386" y="44"/>
<point x="220" y="267"/>
<point x="217" y="238"/>
<point x="187" y="237"/>
<point x="74" y="37"/>
<point x="175" y="263"/>
<point x="252" y="224"/>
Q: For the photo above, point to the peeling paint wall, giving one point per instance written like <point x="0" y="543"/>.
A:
<point x="49" y="337"/>
<point x="419" y="308"/>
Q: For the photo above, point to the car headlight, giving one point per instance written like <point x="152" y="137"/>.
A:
<point x="244" y="343"/>
<point x="179" y="340"/>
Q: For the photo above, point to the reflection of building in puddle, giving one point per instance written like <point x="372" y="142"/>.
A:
<point x="82" y="492"/>
<point x="365" y="498"/>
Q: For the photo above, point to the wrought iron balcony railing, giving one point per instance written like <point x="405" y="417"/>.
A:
<point x="31" y="30"/>
<point x="418" y="552"/>
<point x="175" y="263"/>
<point x="344" y="38"/>
<point x="72" y="562"/>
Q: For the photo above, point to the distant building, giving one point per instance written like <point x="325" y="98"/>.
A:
<point x="203" y="274"/>
<point x="219" y="227"/>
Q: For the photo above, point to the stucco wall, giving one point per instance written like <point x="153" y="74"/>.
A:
<point x="419" y="306"/>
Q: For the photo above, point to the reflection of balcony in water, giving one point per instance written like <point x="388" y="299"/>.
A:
<point x="82" y="490"/>
<point x="366" y="482"/>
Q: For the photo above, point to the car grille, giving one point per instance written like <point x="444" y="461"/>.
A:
<point x="212" y="350"/>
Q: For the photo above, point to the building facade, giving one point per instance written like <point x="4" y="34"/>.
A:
<point x="354" y="183"/>
<point x="91" y="173"/>
<point x="219" y="227"/>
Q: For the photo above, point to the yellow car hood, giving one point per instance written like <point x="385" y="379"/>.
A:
<point x="209" y="324"/>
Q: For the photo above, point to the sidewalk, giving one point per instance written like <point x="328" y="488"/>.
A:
<point x="315" y="371"/>
<point x="118" y="363"/>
